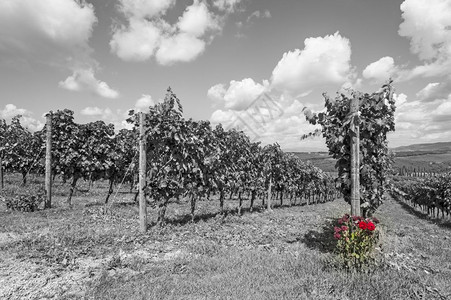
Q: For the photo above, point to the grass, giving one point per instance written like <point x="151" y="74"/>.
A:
<point x="285" y="254"/>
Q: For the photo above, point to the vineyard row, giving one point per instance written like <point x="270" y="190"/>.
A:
<point x="432" y="195"/>
<point x="182" y="158"/>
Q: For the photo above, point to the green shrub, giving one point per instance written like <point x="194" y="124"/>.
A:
<point x="24" y="198"/>
<point x="356" y="239"/>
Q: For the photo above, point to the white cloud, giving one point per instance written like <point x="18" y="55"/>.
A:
<point x="144" y="102"/>
<point x="434" y="91"/>
<point x="55" y="32"/>
<point x="225" y="117"/>
<point x="380" y="70"/>
<point x="217" y="92"/>
<point x="11" y="110"/>
<point x="27" y="120"/>
<point x="197" y="19"/>
<point x="284" y="127"/>
<point x="427" y="24"/>
<point x="116" y="117"/>
<point x="45" y="28"/>
<point x="324" y="60"/>
<point x="239" y="95"/>
<point x="136" y="42"/>
<point x="148" y="35"/>
<point x="92" y="111"/>
<point x="182" y="47"/>
<point x="421" y="122"/>
<point x="84" y="80"/>
<point x="444" y="109"/>
<point x="400" y="99"/>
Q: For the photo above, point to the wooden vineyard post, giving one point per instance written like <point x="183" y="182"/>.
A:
<point x="48" y="162"/>
<point x="355" y="165"/>
<point x="142" y="176"/>
<point x="269" y="192"/>
<point x="1" y="173"/>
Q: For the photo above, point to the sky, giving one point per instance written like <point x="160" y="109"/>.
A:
<point x="250" y="64"/>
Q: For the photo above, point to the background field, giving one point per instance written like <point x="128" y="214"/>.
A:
<point x="434" y="157"/>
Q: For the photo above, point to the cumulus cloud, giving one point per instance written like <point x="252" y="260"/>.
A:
<point x="118" y="117"/>
<point x="11" y="110"/>
<point x="400" y="99"/>
<point x="27" y="120"/>
<point x="284" y="125"/>
<point x="217" y="92"/>
<point x="239" y="95"/>
<point x="380" y="70"/>
<point x="137" y="42"/>
<point x="197" y="19"/>
<point x="418" y="121"/>
<point x="92" y="111"/>
<point x="55" y="32"/>
<point x="275" y="119"/>
<point x="434" y="91"/>
<point x="84" y="80"/>
<point x="427" y="25"/>
<point x="147" y="35"/>
<point x="179" y="48"/>
<point x="45" y="29"/>
<point x="144" y="102"/>
<point x="324" y="60"/>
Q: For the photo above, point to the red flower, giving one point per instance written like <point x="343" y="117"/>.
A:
<point x="344" y="228"/>
<point x="337" y="229"/>
<point x="370" y="226"/>
<point x="362" y="225"/>
<point x="337" y="236"/>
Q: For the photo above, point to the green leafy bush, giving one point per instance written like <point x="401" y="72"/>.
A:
<point x="24" y="199"/>
<point x="356" y="239"/>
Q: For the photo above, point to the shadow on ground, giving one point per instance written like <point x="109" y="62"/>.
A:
<point x="322" y="239"/>
<point x="187" y="218"/>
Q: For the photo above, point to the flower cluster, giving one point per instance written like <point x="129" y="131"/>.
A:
<point x="357" y="238"/>
<point x="368" y="224"/>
